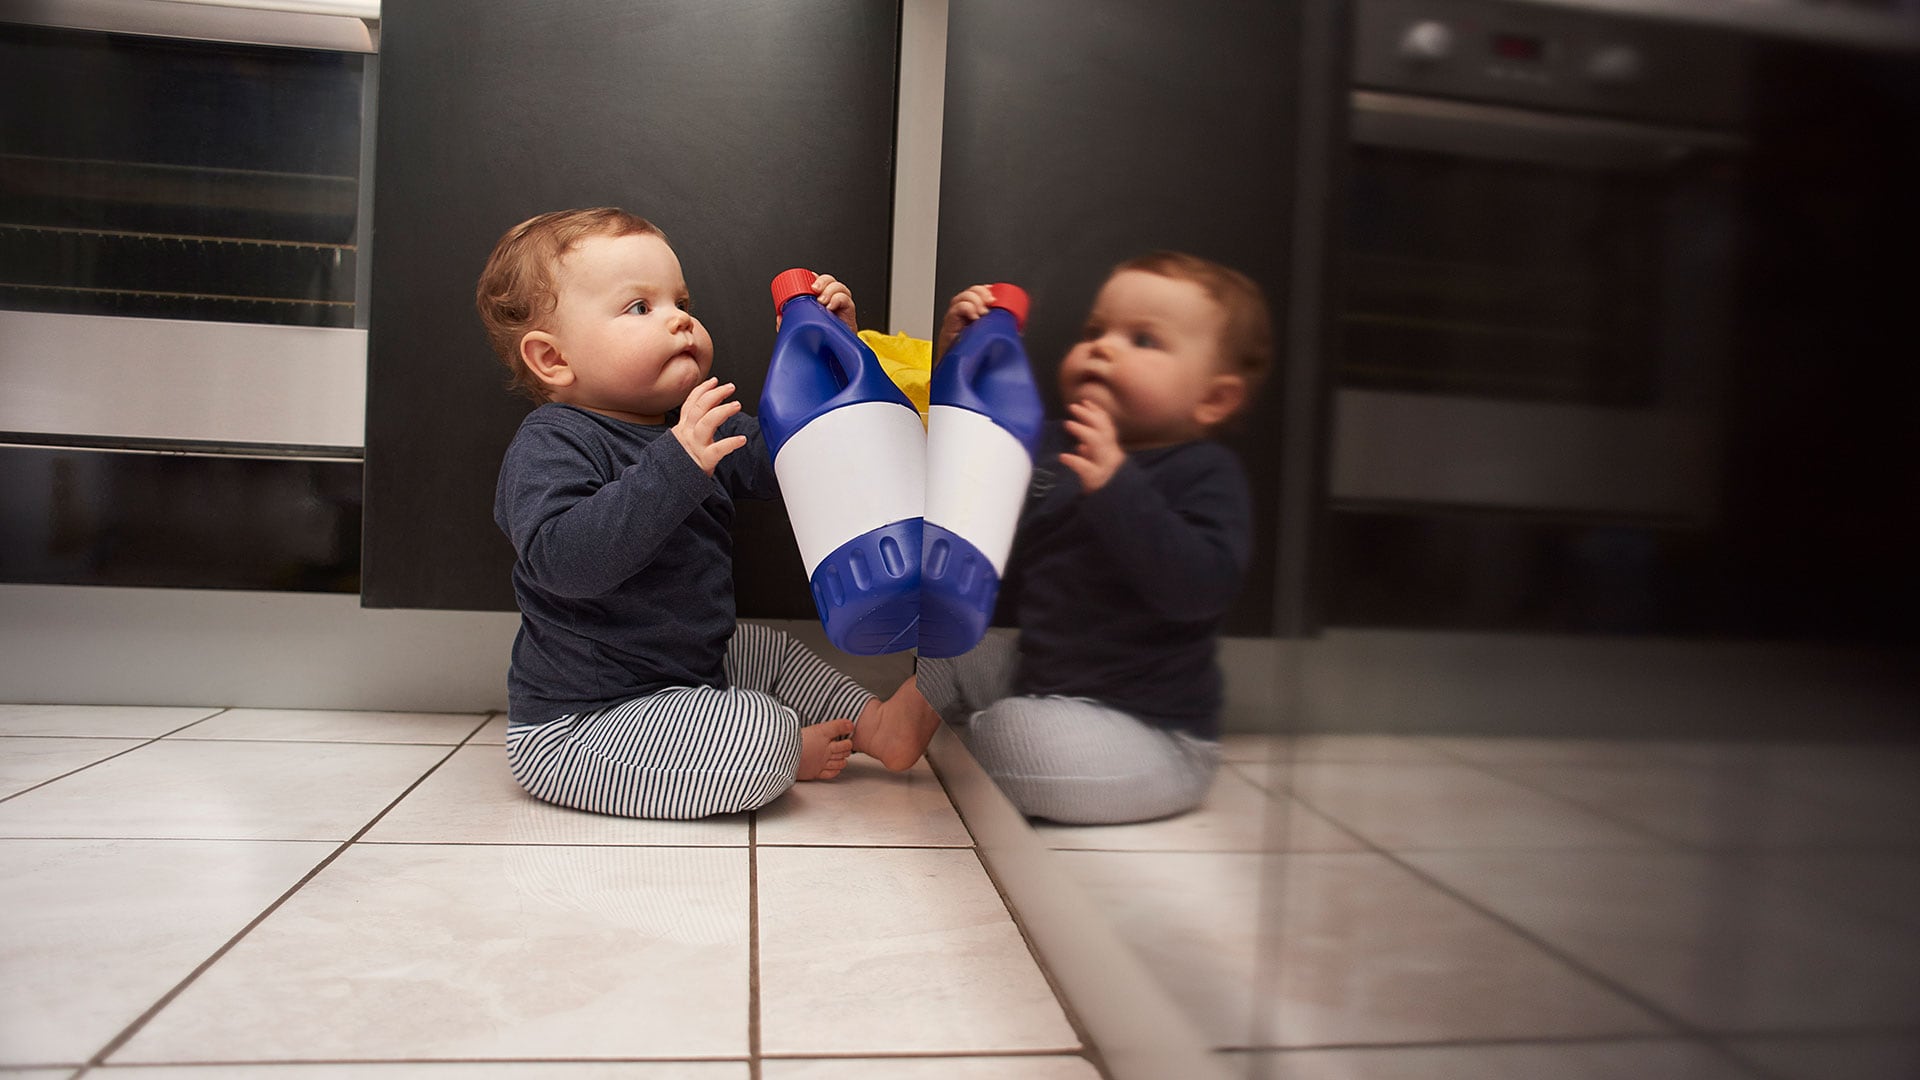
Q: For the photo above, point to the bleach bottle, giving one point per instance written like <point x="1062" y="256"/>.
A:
<point x="850" y="453"/>
<point x="983" y="427"/>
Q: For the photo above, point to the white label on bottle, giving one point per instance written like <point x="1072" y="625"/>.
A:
<point x="850" y="471"/>
<point x="977" y="475"/>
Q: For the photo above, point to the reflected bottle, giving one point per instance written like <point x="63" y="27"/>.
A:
<point x="983" y="429"/>
<point x="850" y="454"/>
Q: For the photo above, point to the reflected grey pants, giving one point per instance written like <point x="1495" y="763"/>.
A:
<point x="690" y="751"/>
<point x="1070" y="760"/>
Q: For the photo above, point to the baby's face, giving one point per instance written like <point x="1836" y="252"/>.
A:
<point x="1149" y="354"/>
<point x="624" y="326"/>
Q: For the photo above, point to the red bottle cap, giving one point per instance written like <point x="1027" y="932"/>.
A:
<point x="788" y="284"/>
<point x="1013" y="299"/>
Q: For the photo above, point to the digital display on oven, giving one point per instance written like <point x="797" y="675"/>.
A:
<point x="1519" y="47"/>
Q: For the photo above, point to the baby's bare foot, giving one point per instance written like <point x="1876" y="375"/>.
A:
<point x="824" y="749"/>
<point x="897" y="730"/>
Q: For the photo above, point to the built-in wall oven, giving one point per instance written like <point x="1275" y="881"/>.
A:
<point x="183" y="215"/>
<point x="1532" y="310"/>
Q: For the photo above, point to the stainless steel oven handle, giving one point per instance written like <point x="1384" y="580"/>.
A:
<point x="1500" y="133"/>
<point x="291" y="27"/>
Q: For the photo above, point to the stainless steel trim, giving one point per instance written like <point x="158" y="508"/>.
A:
<point x="1501" y="133"/>
<point x="1456" y="451"/>
<point x="199" y="22"/>
<point x="106" y="377"/>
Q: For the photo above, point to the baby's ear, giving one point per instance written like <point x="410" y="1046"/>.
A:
<point x="1224" y="397"/>
<point x="541" y="353"/>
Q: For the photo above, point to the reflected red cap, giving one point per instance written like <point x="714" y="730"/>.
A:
<point x="1013" y="299"/>
<point x="788" y="284"/>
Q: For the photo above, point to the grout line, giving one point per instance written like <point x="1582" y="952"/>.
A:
<point x="110" y="757"/>
<point x="166" y="999"/>
<point x="753" y="946"/>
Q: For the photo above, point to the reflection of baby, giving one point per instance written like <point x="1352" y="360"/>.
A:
<point x="1130" y="550"/>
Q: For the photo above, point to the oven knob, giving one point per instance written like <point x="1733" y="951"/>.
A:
<point x="1427" y="41"/>
<point x="1615" y="65"/>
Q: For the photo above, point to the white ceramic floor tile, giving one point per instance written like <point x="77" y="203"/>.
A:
<point x="1835" y="1057"/>
<point x="1364" y="952"/>
<point x="1247" y="746"/>
<point x="445" y="1070"/>
<point x="473" y="799"/>
<point x="866" y="806"/>
<point x="1523" y="750"/>
<point x="103" y="721"/>
<point x="480" y="952"/>
<point x="444" y="729"/>
<point x="96" y="931"/>
<point x="1700" y="937"/>
<point x="27" y="760"/>
<point x="1048" y="1067"/>
<point x="1625" y="1060"/>
<point x="1713" y="808"/>
<point x="224" y="790"/>
<point x="1235" y="817"/>
<point x="870" y="950"/>
<point x="1417" y="807"/>
<point x="493" y="732"/>
<point x="1878" y="884"/>
<point x="38" y="1074"/>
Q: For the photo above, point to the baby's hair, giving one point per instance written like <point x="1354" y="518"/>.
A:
<point x="516" y="291"/>
<point x="1246" y="342"/>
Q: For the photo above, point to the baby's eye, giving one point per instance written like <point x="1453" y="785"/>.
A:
<point x="638" y="307"/>
<point x="1144" y="340"/>
<point x="685" y="304"/>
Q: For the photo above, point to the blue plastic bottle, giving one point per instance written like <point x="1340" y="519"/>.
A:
<point x="850" y="453"/>
<point x="983" y="428"/>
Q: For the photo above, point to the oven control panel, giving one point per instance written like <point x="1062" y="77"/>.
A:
<point x="1561" y="58"/>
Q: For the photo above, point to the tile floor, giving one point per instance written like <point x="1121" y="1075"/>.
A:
<point x="1441" y="908"/>
<point x="229" y="893"/>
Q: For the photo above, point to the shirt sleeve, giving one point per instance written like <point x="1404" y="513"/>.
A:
<point x="1183" y="546"/>
<point x="577" y="535"/>
<point x="747" y="473"/>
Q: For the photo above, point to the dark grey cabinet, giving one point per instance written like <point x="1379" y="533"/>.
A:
<point x="758" y="136"/>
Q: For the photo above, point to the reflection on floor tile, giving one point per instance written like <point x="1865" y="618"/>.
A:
<point x="895" y="951"/>
<point x="103" y="721"/>
<point x="1883" y="1057"/>
<point x="1623" y="1060"/>
<point x="223" y="790"/>
<point x="445" y="729"/>
<point x="481" y="952"/>
<point x="29" y="760"/>
<point x="449" y="1070"/>
<point x="1700" y="937"/>
<point x="1882" y="885"/>
<point x="1039" y="1067"/>
<point x="1234" y="817"/>
<point x="1365" y="953"/>
<point x="1420" y="807"/>
<point x="473" y="799"/>
<point x="866" y="805"/>
<point x="97" y="930"/>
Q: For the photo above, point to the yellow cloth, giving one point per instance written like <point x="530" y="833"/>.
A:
<point x="908" y="361"/>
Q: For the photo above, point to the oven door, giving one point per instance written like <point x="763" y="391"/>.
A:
<point x="1534" y="313"/>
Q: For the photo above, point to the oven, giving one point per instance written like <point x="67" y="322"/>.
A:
<point x="184" y="210"/>
<point x="1531" y="307"/>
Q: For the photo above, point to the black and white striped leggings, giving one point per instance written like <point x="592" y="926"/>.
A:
<point x="689" y="752"/>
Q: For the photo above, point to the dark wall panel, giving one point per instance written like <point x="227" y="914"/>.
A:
<point x="758" y="135"/>
<point x="1083" y="132"/>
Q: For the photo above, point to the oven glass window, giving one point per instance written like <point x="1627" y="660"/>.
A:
<point x="1502" y="280"/>
<point x="178" y="179"/>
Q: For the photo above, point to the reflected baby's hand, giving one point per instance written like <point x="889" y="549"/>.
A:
<point x="1097" y="454"/>
<point x="837" y="298"/>
<point x="962" y="310"/>
<point x="706" y="408"/>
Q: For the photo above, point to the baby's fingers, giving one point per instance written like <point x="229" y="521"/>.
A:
<point x="711" y="420"/>
<point x="723" y="447"/>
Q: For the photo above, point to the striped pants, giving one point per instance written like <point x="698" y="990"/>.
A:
<point x="1065" y="759"/>
<point x="689" y="752"/>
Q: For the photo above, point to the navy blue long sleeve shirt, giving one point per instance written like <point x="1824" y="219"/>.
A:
<point x="623" y="565"/>
<point x="1119" y="593"/>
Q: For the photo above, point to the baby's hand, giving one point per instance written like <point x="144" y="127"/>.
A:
<point x="1097" y="455"/>
<point x="961" y="310"/>
<point x="837" y="298"/>
<point x="702" y="414"/>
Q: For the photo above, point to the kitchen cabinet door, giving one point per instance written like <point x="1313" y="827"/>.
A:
<point x="758" y="136"/>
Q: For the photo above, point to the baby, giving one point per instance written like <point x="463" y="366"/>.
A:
<point x="1130" y="550"/>
<point x="632" y="690"/>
